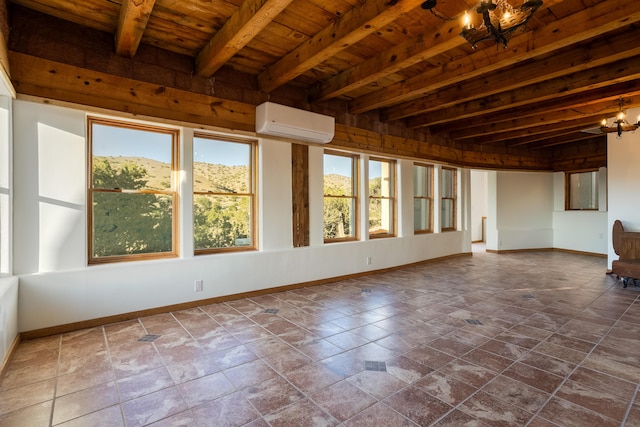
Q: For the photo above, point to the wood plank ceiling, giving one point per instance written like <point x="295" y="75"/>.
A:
<point x="388" y="66"/>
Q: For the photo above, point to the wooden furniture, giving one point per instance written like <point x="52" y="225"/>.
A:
<point x="626" y="244"/>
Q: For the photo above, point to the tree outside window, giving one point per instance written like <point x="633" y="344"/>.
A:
<point x="223" y="194"/>
<point x="381" y="198"/>
<point x="448" y="186"/>
<point x="132" y="191"/>
<point x="340" y="196"/>
<point x="422" y="198"/>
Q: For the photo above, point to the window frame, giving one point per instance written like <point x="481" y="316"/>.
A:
<point x="355" y="183"/>
<point x="567" y="188"/>
<point x="429" y="197"/>
<point x="252" y="194"/>
<point x="393" y="198"/>
<point x="454" y="198"/>
<point x="173" y="191"/>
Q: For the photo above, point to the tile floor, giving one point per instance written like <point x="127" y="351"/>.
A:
<point x="527" y="339"/>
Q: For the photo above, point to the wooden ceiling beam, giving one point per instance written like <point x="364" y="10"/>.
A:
<point x="50" y="79"/>
<point x="553" y="139"/>
<point x="529" y="135"/>
<point x="582" y="81"/>
<point x="352" y="27"/>
<point x="588" y="154"/>
<point x="417" y="49"/>
<point x="251" y="18"/>
<point x="581" y="101"/>
<point x="404" y="55"/>
<point x="584" y="121"/>
<point x="601" y="109"/>
<point x="134" y="15"/>
<point x="590" y="22"/>
<point x="569" y="138"/>
<point x="4" y="36"/>
<point x="566" y="61"/>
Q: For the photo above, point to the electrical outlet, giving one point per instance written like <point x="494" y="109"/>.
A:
<point x="198" y="286"/>
<point x="368" y="260"/>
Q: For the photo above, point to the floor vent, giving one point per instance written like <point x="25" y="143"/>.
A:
<point x="373" y="365"/>
<point x="473" y="321"/>
<point x="271" y="311"/>
<point x="149" y="338"/>
<point x="528" y="296"/>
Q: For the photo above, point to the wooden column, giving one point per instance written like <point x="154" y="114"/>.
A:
<point x="4" y="37"/>
<point x="300" y="194"/>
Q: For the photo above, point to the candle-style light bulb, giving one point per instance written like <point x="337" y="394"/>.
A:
<point x="466" y="21"/>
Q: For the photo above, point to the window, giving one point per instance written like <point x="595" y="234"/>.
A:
<point x="132" y="191"/>
<point x="381" y="198"/>
<point x="448" y="199"/>
<point x="340" y="197"/>
<point x="223" y="194"/>
<point x="422" y="198"/>
<point x="582" y="190"/>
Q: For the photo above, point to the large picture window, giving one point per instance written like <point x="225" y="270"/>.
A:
<point x="224" y="194"/>
<point x="381" y="198"/>
<point x="448" y="185"/>
<point x="582" y="190"/>
<point x="132" y="191"/>
<point x="422" y="198"/>
<point x="340" y="197"/>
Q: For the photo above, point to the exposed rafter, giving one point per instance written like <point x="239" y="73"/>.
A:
<point x="560" y="63"/>
<point x="240" y="29"/>
<point x="132" y="22"/>
<point x="398" y="79"/>
<point x="573" y="29"/>
<point x="358" y="23"/>
<point x="582" y="81"/>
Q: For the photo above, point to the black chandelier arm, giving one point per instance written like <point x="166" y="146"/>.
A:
<point x="500" y="28"/>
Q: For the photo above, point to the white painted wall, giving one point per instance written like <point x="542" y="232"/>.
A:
<point x="8" y="283"/>
<point x="584" y="231"/>
<point x="8" y="314"/>
<point x="6" y="185"/>
<point x="624" y="181"/>
<point x="57" y="287"/>
<point x="479" y="202"/>
<point x="526" y="211"/>
<point x="524" y="205"/>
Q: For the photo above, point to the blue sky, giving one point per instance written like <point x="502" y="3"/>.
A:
<point x="127" y="142"/>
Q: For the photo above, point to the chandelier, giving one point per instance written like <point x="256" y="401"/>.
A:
<point x="619" y="124"/>
<point x="499" y="21"/>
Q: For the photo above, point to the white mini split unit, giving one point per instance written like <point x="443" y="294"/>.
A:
<point x="287" y="122"/>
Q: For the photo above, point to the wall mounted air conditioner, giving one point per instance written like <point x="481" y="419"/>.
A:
<point x="280" y="120"/>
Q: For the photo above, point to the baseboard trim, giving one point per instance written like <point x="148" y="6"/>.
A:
<point x="91" y="323"/>
<point x="569" y="251"/>
<point x="9" y="355"/>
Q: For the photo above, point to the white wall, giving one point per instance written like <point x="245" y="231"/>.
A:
<point x="8" y="314"/>
<point x="8" y="283"/>
<point x="584" y="231"/>
<point x="479" y="202"/>
<point x="57" y="287"/>
<point x="523" y="207"/>
<point x="6" y="183"/>
<point x="526" y="211"/>
<point x="623" y="168"/>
